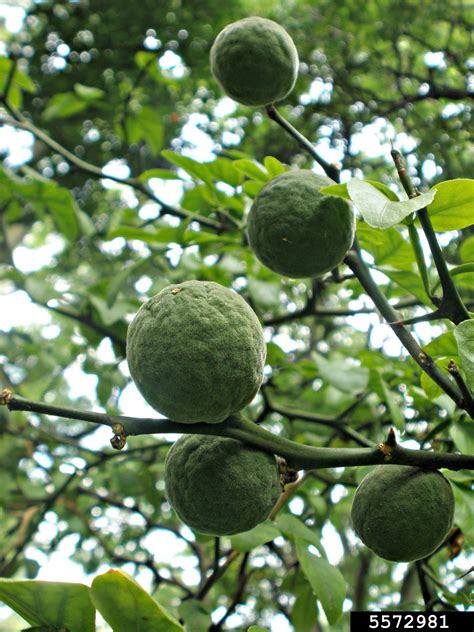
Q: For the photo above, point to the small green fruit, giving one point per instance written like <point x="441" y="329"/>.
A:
<point x="297" y="231"/>
<point x="255" y="61"/>
<point x="220" y="486"/>
<point x="403" y="513"/>
<point x="196" y="352"/>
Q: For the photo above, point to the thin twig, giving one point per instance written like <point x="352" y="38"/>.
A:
<point x="97" y="172"/>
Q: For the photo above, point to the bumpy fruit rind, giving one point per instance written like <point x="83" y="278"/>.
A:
<point x="196" y="352"/>
<point x="297" y="231"/>
<point x="220" y="486"/>
<point x="403" y="513"/>
<point x="255" y="61"/>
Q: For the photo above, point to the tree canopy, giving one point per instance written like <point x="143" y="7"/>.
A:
<point x="126" y="169"/>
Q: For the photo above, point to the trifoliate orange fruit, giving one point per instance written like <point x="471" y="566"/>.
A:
<point x="297" y="231"/>
<point x="220" y="486"/>
<point x="403" y="513"/>
<point x="196" y="352"/>
<point x="255" y="61"/>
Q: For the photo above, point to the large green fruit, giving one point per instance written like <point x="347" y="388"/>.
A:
<point x="196" y="352"/>
<point x="297" y="231"/>
<point x="255" y="61"/>
<point x="220" y="486"/>
<point x="403" y="513"/>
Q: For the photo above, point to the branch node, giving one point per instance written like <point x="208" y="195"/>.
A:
<point x="287" y="473"/>
<point x="6" y="397"/>
<point x="453" y="367"/>
<point x="386" y="450"/>
<point x="119" y="439"/>
<point x="425" y="358"/>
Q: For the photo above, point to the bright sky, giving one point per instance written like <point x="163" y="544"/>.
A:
<point x="17" y="310"/>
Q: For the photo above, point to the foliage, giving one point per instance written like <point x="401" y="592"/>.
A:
<point x="138" y="173"/>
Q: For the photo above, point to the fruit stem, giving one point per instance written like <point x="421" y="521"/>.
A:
<point x="330" y="169"/>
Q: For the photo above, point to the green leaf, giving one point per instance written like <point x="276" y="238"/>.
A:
<point x="197" y="170"/>
<point x="62" y="207"/>
<point x="195" y="614"/>
<point x="126" y="606"/>
<point x="326" y="581"/>
<point x="117" y="282"/>
<point x="88" y="93"/>
<point x="339" y="373"/>
<point x="464" y="334"/>
<point x="145" y="125"/>
<point x="466" y="252"/>
<point x="161" y="174"/>
<point x="366" y="233"/>
<point x="264" y="293"/>
<point x="377" y="210"/>
<point x="20" y="80"/>
<point x="50" y="604"/>
<point x="163" y="235"/>
<point x="341" y="190"/>
<point x="453" y="206"/>
<point x="253" y="187"/>
<point x="464" y="513"/>
<point x="430" y="387"/>
<point x="48" y="196"/>
<point x="256" y="628"/>
<point x="394" y="251"/>
<point x="223" y="170"/>
<point x="248" y="540"/>
<point x="303" y="613"/>
<point x="462" y="433"/>
<point x="444" y="346"/>
<point x="410" y="281"/>
<point x="110" y="315"/>
<point x="394" y="406"/>
<point x="292" y="528"/>
<point x="274" y="166"/>
<point x="251" y="169"/>
<point x="464" y="268"/>
<point x="63" y="105"/>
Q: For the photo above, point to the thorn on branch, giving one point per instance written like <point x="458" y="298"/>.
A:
<point x="391" y="439"/>
<point x="436" y="315"/>
<point x="119" y="440"/>
<point x="471" y="570"/>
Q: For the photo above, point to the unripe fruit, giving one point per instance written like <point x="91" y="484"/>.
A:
<point x="297" y="231"/>
<point x="196" y="352"/>
<point x="255" y="61"/>
<point x="403" y="513"/>
<point x="220" y="486"/>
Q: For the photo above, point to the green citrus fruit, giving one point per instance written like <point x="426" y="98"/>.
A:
<point x="196" y="352"/>
<point x="297" y="231"/>
<point x="255" y="61"/>
<point x="220" y="486"/>
<point x="403" y="513"/>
